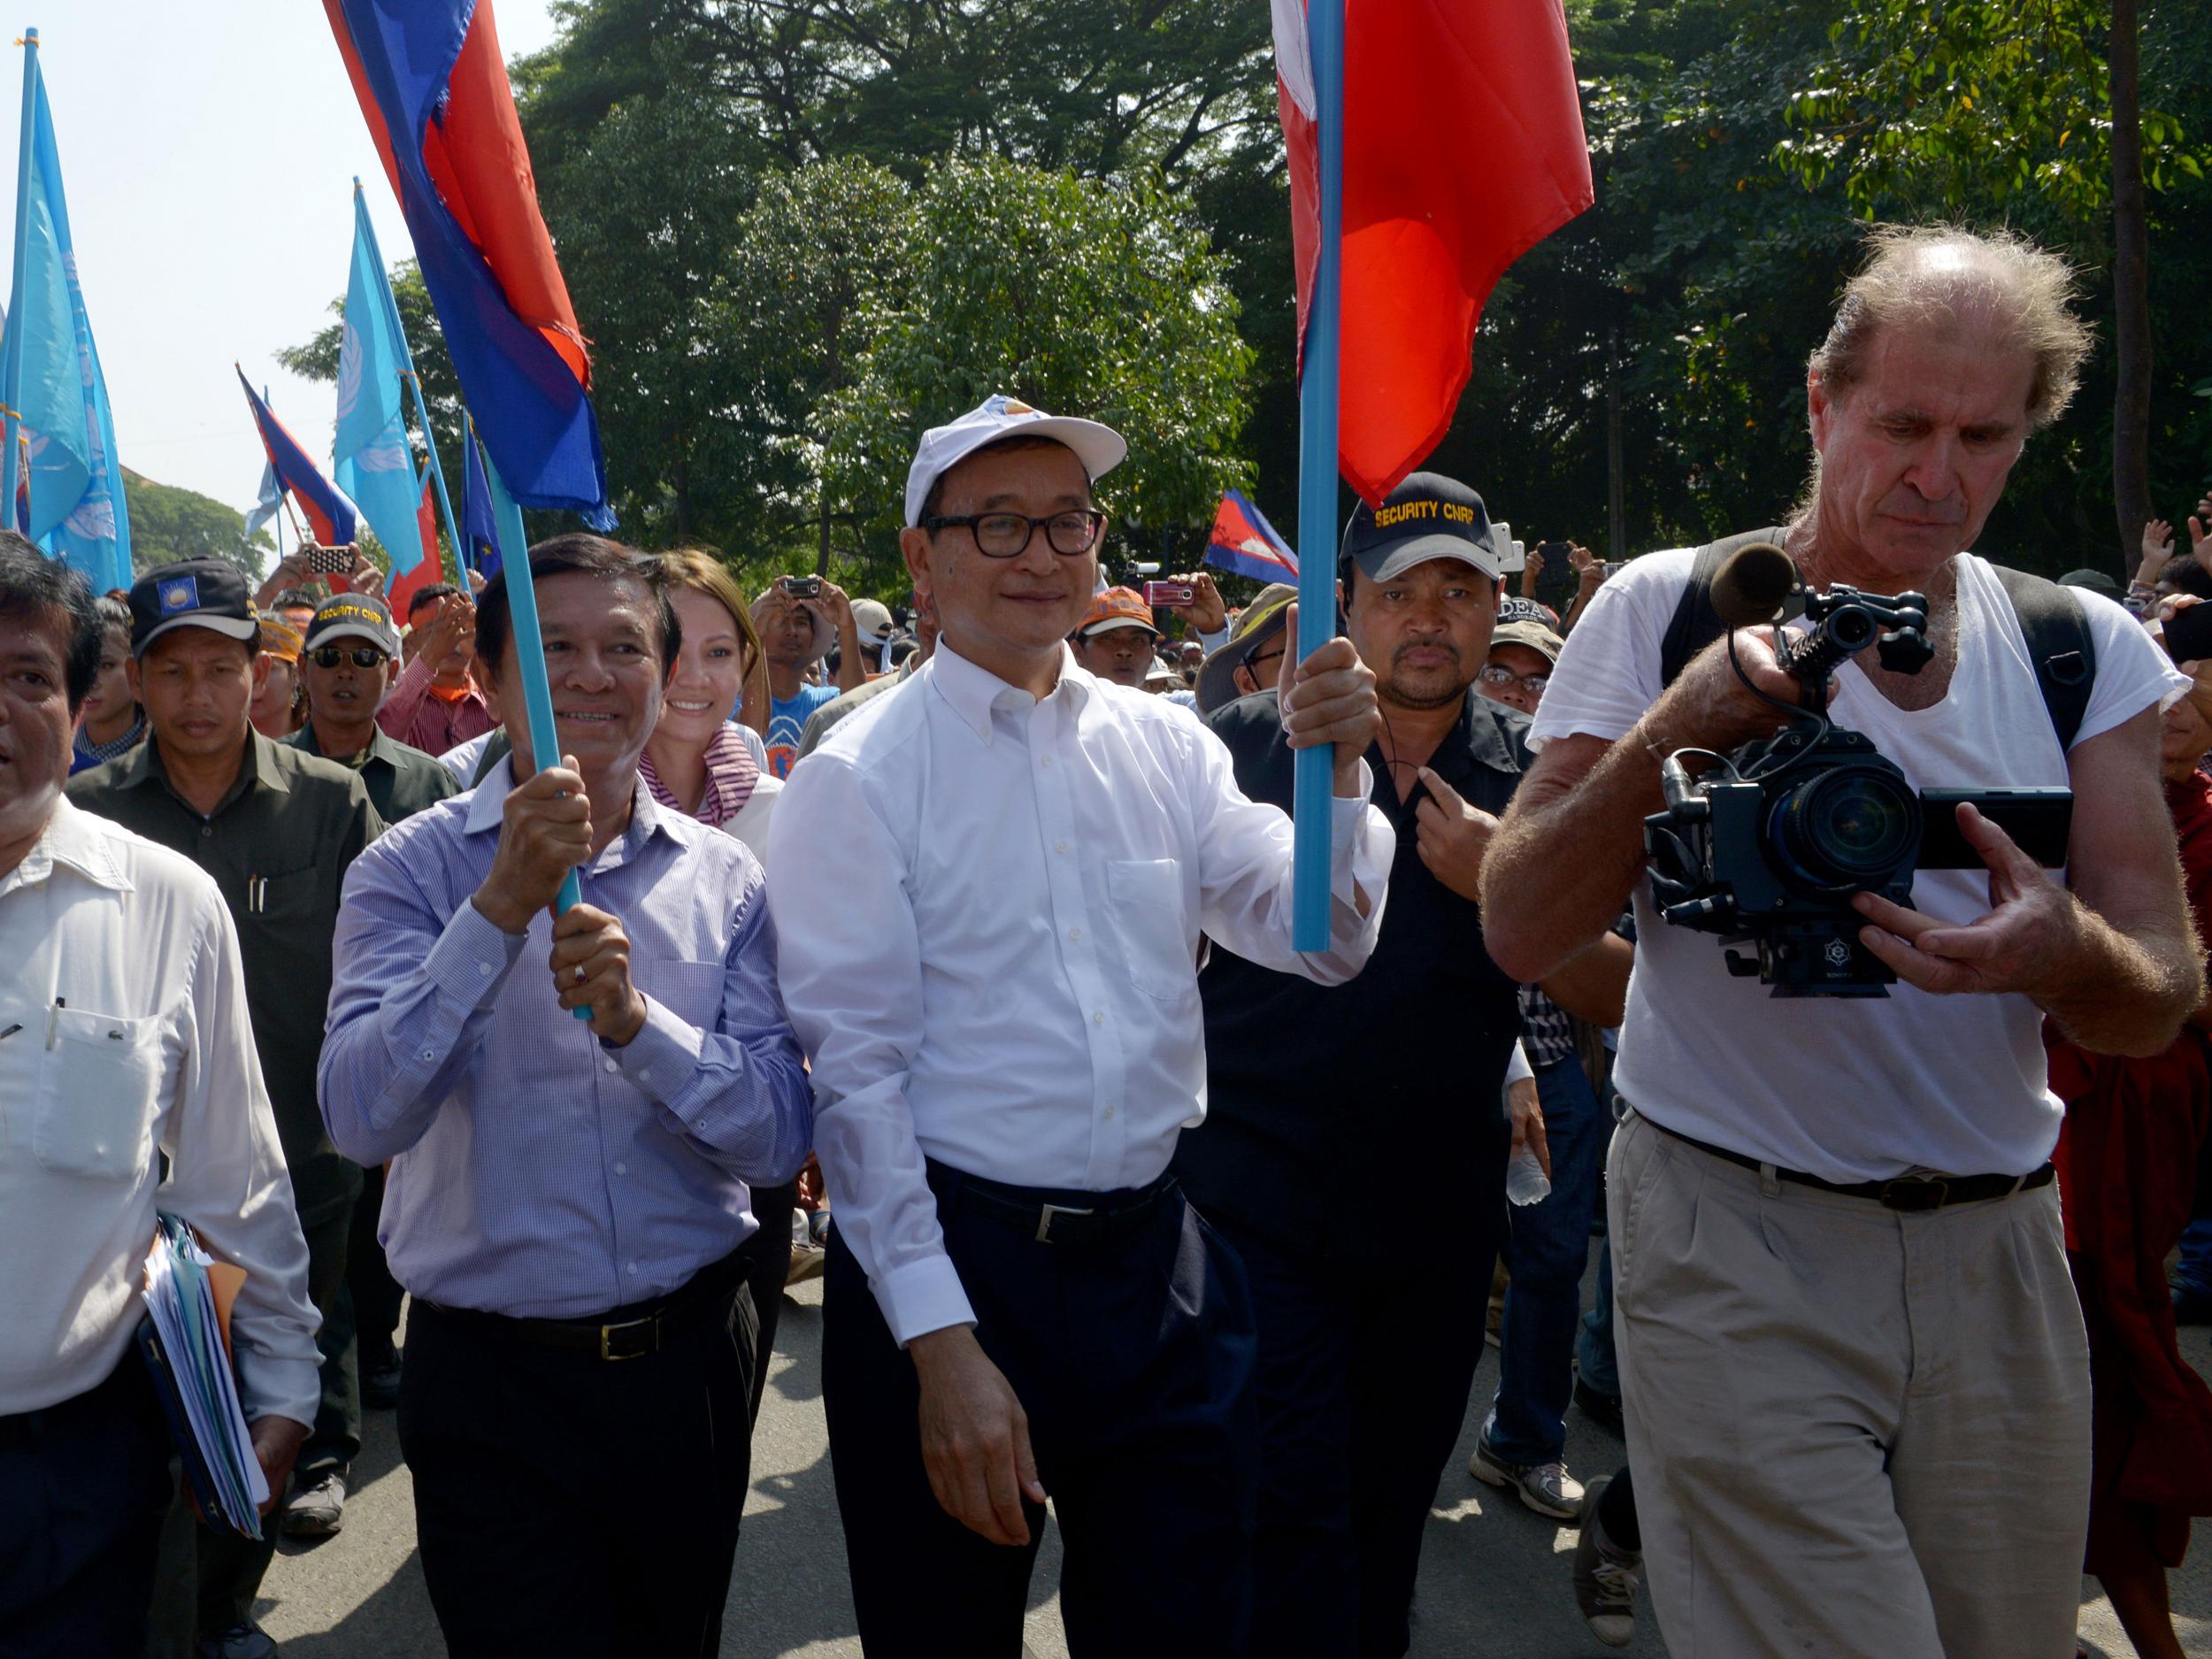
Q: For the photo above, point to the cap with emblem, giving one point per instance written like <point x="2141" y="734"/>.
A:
<point x="1428" y="517"/>
<point x="200" y="593"/>
<point x="1520" y="608"/>
<point x="1100" y="449"/>
<point x="1117" y="608"/>
<point x="354" y="617"/>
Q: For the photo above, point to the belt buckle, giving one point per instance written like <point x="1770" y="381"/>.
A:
<point x="1914" y="1195"/>
<point x="607" y="1332"/>
<point x="1044" y="1219"/>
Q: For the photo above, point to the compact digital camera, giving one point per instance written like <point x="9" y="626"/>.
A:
<point x="1768" y="848"/>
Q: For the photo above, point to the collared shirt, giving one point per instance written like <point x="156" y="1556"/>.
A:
<point x="401" y="779"/>
<point x="990" y="908"/>
<point x="124" y="1011"/>
<point x="1413" y="1051"/>
<point x="278" y="844"/>
<point x="819" y="722"/>
<point x="414" y="712"/>
<point x="739" y="796"/>
<point x="536" y="1171"/>
<point x="85" y="754"/>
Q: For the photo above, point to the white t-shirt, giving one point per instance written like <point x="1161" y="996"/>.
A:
<point x="1851" y="1089"/>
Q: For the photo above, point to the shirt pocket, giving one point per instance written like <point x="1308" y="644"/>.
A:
<point x="692" y="991"/>
<point x="1147" y="899"/>
<point x="97" y="1091"/>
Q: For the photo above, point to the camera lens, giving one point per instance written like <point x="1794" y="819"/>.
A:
<point x="1846" y="828"/>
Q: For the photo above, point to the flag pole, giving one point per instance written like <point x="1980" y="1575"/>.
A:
<point x="284" y="499"/>
<point x="1312" y="779"/>
<point x="529" y="642"/>
<point x="11" y="357"/>
<point x="414" y="385"/>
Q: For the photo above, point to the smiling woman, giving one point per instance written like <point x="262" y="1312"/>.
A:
<point x="697" y="760"/>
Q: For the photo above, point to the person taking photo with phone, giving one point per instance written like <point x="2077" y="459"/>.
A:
<point x="799" y="619"/>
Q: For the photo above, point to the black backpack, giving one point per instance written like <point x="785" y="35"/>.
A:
<point x="2051" y="619"/>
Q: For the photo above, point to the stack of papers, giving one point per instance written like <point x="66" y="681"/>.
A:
<point x="184" y="1337"/>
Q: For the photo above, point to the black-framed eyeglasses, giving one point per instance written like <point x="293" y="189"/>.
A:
<point x="1254" y="661"/>
<point x="1498" y="675"/>
<point x="364" y="656"/>
<point x="1002" y="535"/>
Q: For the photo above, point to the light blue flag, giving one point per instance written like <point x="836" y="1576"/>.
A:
<point x="265" y="505"/>
<point x="76" y="481"/>
<point x="374" y="463"/>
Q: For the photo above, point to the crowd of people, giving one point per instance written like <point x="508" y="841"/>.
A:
<point x="946" y="953"/>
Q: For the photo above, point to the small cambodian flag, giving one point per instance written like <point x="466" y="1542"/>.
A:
<point x="1244" y="542"/>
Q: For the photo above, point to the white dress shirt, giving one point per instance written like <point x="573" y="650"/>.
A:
<point x="989" y="908"/>
<point x="124" y="1010"/>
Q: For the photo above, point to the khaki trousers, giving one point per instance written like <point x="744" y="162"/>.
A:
<point x="1855" y="1431"/>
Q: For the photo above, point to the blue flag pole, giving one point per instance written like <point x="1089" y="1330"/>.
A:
<point x="414" y="385"/>
<point x="11" y="357"/>
<point x="1311" y="783"/>
<point x="537" y="689"/>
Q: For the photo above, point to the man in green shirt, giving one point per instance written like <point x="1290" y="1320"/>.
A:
<point x="276" y="828"/>
<point x="350" y="659"/>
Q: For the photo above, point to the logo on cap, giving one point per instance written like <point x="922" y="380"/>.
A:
<point x="181" y="595"/>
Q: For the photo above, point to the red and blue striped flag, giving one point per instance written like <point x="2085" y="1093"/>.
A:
<point x="329" y="514"/>
<point x="434" y="88"/>
<point x="1244" y="542"/>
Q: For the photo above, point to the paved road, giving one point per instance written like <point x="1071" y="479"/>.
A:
<point x="1494" y="1576"/>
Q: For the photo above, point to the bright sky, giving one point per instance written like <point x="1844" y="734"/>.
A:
<point x="208" y="152"/>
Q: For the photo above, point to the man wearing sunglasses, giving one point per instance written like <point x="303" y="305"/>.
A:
<point x="351" y="660"/>
<point x="988" y="888"/>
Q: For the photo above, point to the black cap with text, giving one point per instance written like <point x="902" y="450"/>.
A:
<point x="1428" y="517"/>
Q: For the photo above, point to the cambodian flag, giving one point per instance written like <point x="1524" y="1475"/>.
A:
<point x="434" y="88"/>
<point x="1245" y="542"/>
<point x="1463" y="150"/>
<point x="330" y="516"/>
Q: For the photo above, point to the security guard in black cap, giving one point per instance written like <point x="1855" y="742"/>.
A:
<point x="1368" y="1341"/>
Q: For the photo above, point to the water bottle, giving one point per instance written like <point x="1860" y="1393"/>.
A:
<point x="1526" y="1182"/>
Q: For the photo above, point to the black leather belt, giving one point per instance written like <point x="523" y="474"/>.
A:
<point x="634" y="1332"/>
<point x="1911" y="1193"/>
<point x="1050" y="1215"/>
<point x="127" y="1388"/>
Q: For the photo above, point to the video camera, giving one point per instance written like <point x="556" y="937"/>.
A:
<point x="1771" y="853"/>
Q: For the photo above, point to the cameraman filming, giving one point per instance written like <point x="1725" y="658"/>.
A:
<point x="1855" y="1379"/>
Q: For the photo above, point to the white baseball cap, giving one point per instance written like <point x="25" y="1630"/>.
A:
<point x="1100" y="449"/>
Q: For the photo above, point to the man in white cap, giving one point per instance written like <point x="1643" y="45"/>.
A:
<point x="989" y="931"/>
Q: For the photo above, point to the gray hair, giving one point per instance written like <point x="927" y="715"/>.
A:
<point x="1996" y="285"/>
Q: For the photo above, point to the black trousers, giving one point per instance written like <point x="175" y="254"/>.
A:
<point x="568" y="1504"/>
<point x="1132" y="1358"/>
<point x="375" y="1295"/>
<point x="229" y="1569"/>
<point x="1363" y="1383"/>
<point x="83" y="1488"/>
<point x="771" y="1248"/>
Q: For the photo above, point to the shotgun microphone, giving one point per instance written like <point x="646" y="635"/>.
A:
<point x="1751" y="585"/>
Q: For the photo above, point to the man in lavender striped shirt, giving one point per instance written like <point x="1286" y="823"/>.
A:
<point x="570" y="1202"/>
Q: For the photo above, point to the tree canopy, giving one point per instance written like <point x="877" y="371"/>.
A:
<point x="798" y="230"/>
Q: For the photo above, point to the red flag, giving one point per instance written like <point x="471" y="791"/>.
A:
<point x="1463" y="150"/>
<point x="429" y="571"/>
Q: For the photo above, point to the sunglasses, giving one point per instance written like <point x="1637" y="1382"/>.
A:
<point x="364" y="656"/>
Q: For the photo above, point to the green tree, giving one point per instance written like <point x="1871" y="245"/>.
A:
<point x="1065" y="293"/>
<point x="169" y="522"/>
<point x="2032" y="112"/>
<point x="812" y="260"/>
